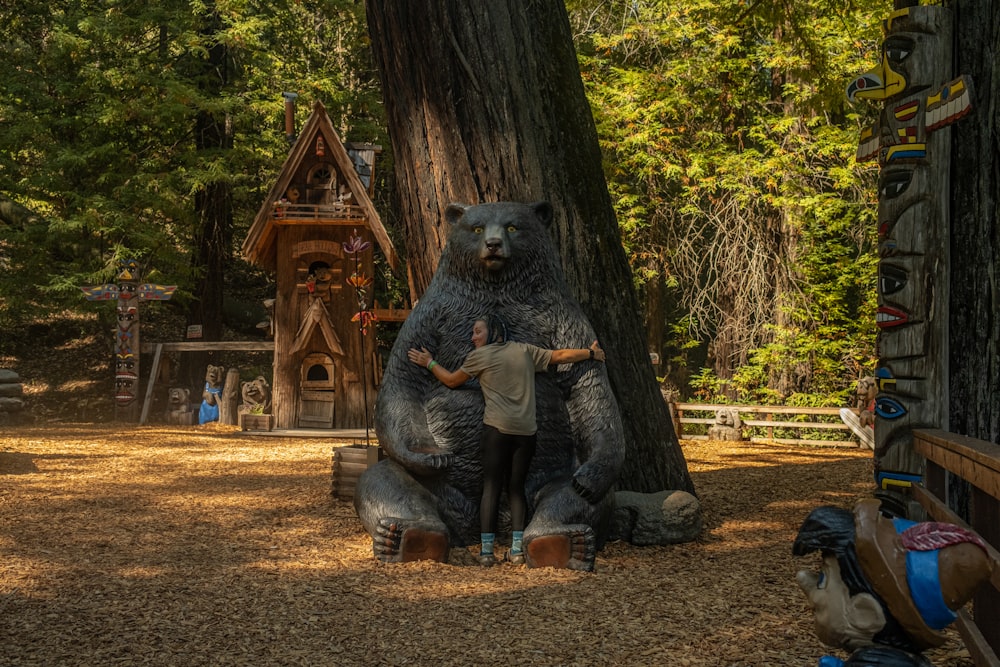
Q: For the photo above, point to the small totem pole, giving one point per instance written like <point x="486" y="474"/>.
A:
<point x="910" y="140"/>
<point x="129" y="293"/>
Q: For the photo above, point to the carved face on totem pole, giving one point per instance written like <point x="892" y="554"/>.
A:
<point x="126" y="361"/>
<point x="128" y="294"/>
<point x="913" y="81"/>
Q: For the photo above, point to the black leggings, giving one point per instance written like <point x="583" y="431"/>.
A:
<point x="504" y="456"/>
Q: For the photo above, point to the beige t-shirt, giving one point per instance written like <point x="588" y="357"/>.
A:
<point x="506" y="372"/>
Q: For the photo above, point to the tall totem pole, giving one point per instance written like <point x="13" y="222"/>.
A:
<point x="129" y="293"/>
<point x="911" y="142"/>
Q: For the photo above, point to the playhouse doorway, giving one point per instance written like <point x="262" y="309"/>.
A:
<point x="316" y="392"/>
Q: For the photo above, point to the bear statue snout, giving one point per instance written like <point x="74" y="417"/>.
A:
<point x="494" y="251"/>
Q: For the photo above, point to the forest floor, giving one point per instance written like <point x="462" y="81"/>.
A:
<point x="207" y="546"/>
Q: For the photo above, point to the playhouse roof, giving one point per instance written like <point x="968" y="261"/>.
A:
<point x="260" y="245"/>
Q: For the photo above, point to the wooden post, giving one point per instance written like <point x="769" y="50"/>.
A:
<point x="229" y="398"/>
<point x="675" y="417"/>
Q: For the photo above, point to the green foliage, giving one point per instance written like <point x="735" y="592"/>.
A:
<point x="101" y="115"/>
<point x="729" y="153"/>
<point x="728" y="148"/>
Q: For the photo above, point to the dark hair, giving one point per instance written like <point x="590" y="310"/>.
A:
<point x="496" y="329"/>
<point x="830" y="530"/>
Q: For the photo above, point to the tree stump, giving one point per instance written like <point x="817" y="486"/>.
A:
<point x="348" y="464"/>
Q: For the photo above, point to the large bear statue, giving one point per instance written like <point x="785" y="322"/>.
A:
<point x="424" y="498"/>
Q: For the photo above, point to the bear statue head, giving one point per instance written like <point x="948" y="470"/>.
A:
<point x="257" y="393"/>
<point x="491" y="240"/>
<point x="213" y="375"/>
<point x="178" y="397"/>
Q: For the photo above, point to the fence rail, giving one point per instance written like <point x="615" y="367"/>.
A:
<point x="978" y="463"/>
<point x="766" y="423"/>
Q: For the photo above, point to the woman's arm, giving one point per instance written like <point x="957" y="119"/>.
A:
<point x="571" y="356"/>
<point x="452" y="379"/>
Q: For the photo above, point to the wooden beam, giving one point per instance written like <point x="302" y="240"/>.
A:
<point x="150" y="382"/>
<point x="213" y="346"/>
<point x="976" y="461"/>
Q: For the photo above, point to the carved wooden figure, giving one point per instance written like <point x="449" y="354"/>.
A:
<point x="887" y="587"/>
<point x="910" y="140"/>
<point x="129" y="293"/>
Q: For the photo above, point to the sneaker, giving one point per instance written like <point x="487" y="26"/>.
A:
<point x="515" y="558"/>
<point x="487" y="560"/>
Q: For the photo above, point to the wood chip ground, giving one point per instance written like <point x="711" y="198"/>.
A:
<point x="206" y="546"/>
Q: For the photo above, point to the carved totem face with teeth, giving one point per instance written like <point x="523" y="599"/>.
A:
<point x="914" y="82"/>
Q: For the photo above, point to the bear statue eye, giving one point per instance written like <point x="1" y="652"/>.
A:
<point x="511" y="228"/>
<point x="478" y="229"/>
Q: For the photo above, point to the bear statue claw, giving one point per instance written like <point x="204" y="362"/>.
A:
<point x="426" y="460"/>
<point x="583" y="491"/>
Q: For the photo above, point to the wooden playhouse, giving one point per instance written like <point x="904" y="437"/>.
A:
<point x="317" y="231"/>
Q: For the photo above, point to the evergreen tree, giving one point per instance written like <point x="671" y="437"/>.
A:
<point x="729" y="148"/>
<point x="153" y="131"/>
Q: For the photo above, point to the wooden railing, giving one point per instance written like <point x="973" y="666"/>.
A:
<point x="336" y="212"/>
<point x="978" y="463"/>
<point x="767" y="423"/>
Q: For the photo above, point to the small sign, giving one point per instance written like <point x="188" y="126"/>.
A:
<point x="654" y="358"/>
<point x="194" y="331"/>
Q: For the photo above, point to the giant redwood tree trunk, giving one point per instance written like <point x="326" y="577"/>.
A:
<point x="974" y="363"/>
<point x="485" y="103"/>
<point x="213" y="135"/>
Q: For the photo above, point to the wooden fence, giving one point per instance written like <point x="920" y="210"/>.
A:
<point x="978" y="463"/>
<point x="782" y="424"/>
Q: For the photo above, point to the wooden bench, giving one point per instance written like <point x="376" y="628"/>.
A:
<point x="768" y="418"/>
<point x="978" y="463"/>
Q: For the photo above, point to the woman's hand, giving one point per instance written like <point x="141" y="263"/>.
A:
<point x="598" y="352"/>
<point x="420" y="357"/>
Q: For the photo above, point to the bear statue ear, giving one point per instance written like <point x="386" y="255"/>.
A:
<point x="454" y="213"/>
<point x="543" y="210"/>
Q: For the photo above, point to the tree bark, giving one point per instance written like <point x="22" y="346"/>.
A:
<point x="485" y="103"/>
<point x="974" y="357"/>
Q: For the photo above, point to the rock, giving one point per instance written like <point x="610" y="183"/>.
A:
<point x="664" y="517"/>
<point x="11" y="392"/>
<point x="10" y="404"/>
<point x="11" y="389"/>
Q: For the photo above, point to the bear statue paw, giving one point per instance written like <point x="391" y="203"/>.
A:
<point x="399" y="541"/>
<point x="583" y="491"/>
<point x="575" y="549"/>
<point x="429" y="460"/>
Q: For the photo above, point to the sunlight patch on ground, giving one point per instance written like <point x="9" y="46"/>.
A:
<point x="78" y="385"/>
